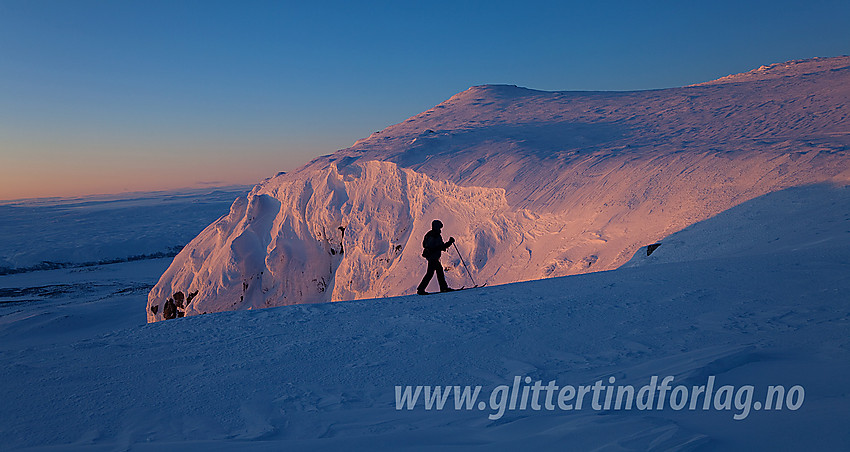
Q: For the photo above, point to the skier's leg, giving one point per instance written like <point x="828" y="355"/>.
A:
<point x="441" y="277"/>
<point x="427" y="278"/>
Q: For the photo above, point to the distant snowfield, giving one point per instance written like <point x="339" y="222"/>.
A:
<point x="755" y="296"/>
<point x="532" y="184"/>
<point x="55" y="232"/>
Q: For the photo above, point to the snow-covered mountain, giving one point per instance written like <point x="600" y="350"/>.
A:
<point x="532" y="184"/>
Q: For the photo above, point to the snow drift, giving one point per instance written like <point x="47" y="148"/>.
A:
<point x="532" y="184"/>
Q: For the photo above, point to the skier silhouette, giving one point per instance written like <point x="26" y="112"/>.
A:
<point x="434" y="246"/>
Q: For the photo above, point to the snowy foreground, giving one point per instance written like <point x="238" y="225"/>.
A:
<point x="757" y="295"/>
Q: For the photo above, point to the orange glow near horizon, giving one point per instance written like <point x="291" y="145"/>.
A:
<point x="53" y="164"/>
<point x="60" y="178"/>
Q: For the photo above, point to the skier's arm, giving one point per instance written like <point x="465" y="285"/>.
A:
<point x="448" y="244"/>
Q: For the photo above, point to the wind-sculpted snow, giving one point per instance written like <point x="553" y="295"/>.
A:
<point x="283" y="243"/>
<point x="533" y="184"/>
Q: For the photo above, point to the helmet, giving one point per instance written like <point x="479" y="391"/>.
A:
<point x="436" y="224"/>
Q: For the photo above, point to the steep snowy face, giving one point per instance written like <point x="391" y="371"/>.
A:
<point x="336" y="235"/>
<point x="532" y="184"/>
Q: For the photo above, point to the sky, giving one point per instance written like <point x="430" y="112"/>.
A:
<point x="114" y="96"/>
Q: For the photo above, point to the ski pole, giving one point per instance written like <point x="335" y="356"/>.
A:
<point x="464" y="264"/>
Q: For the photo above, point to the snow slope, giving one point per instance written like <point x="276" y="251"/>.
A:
<point x="756" y="295"/>
<point x="532" y="184"/>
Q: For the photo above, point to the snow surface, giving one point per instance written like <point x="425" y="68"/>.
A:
<point x="757" y="295"/>
<point x="533" y="185"/>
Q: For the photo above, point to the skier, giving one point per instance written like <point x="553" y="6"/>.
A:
<point x="170" y="310"/>
<point x="434" y="246"/>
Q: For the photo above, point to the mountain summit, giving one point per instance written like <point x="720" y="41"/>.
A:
<point x="533" y="184"/>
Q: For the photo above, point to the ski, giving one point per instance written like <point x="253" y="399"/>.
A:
<point x="456" y="290"/>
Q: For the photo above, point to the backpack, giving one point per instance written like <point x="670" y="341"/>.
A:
<point x="432" y="244"/>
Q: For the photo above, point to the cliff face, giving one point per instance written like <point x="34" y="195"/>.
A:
<point x="532" y="184"/>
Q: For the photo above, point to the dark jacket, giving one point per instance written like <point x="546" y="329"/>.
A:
<point x="434" y="245"/>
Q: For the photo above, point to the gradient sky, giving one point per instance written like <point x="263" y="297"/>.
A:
<point x="113" y="96"/>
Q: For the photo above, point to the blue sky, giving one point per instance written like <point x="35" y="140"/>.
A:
<point x="110" y="96"/>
